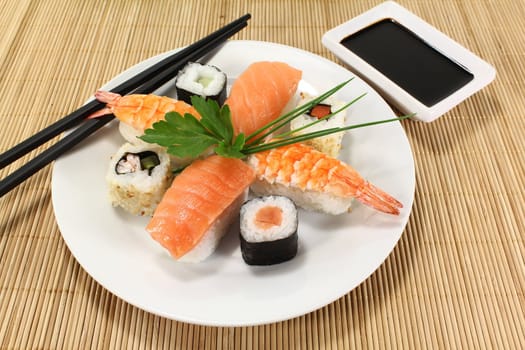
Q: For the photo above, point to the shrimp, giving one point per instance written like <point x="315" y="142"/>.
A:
<point x="316" y="181"/>
<point x="140" y="111"/>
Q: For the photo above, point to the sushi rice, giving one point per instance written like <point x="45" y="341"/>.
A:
<point x="201" y="80"/>
<point x="310" y="200"/>
<point x="210" y="240"/>
<point x="254" y="232"/>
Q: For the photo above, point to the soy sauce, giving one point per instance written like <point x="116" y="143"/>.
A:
<point x="407" y="60"/>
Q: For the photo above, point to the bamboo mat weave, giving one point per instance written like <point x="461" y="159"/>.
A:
<point x="456" y="279"/>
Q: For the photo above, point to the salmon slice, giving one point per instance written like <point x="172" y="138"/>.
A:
<point x="260" y="94"/>
<point x="196" y="200"/>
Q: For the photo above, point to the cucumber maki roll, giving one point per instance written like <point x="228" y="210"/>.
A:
<point x="201" y="80"/>
<point x="268" y="230"/>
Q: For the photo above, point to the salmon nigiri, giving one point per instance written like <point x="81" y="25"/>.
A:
<point x="198" y="208"/>
<point x="260" y="94"/>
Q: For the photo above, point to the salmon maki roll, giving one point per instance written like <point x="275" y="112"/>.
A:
<point x="268" y="228"/>
<point x="260" y="94"/>
<point x="199" y="207"/>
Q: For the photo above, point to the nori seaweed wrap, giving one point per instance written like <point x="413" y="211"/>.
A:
<point x="268" y="230"/>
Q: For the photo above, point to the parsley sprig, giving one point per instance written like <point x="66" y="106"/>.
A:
<point x="186" y="136"/>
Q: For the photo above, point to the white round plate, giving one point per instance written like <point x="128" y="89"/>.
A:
<point x="336" y="253"/>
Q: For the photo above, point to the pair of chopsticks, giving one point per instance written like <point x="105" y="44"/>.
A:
<point x="144" y="82"/>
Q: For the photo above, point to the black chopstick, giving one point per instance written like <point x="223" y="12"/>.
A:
<point x="133" y="83"/>
<point x="46" y="157"/>
<point x="191" y="53"/>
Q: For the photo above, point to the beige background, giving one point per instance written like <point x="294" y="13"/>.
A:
<point x="455" y="280"/>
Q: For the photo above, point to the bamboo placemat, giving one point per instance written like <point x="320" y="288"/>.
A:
<point x="456" y="279"/>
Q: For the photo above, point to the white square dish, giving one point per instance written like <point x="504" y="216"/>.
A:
<point x="413" y="65"/>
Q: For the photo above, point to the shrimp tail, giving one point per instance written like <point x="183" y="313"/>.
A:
<point x="107" y="96"/>
<point x="374" y="197"/>
<point x="110" y="98"/>
<point x="100" y="113"/>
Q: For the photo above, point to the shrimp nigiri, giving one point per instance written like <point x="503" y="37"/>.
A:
<point x="138" y="112"/>
<point x="316" y="181"/>
<point x="260" y="94"/>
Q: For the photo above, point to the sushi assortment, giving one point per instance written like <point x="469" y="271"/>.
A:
<point x="260" y="189"/>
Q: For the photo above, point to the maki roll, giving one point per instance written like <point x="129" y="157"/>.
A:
<point x="137" y="178"/>
<point x="329" y="144"/>
<point x="201" y="80"/>
<point x="268" y="230"/>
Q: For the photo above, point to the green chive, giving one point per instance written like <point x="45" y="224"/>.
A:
<point x="305" y="137"/>
<point x="291" y="132"/>
<point x="189" y="136"/>
<point x="284" y="119"/>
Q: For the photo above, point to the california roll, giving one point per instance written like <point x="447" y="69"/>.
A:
<point x="137" y="177"/>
